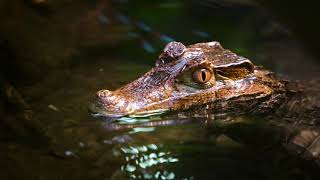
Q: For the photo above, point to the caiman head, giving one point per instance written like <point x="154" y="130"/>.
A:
<point x="184" y="77"/>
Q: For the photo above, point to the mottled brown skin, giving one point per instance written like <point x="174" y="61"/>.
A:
<point x="205" y="79"/>
<point x="200" y="76"/>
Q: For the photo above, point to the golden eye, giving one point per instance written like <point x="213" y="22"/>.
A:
<point x="201" y="76"/>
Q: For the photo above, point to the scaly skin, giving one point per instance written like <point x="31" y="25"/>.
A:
<point x="193" y="77"/>
<point x="205" y="79"/>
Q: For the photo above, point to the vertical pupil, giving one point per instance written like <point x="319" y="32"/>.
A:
<point x="203" y="75"/>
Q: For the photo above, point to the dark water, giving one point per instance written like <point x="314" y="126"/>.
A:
<point x="75" y="49"/>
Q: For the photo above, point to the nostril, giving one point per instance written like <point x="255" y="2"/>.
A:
<point x="103" y="93"/>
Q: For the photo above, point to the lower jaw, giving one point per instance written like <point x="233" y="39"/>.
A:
<point x="148" y="113"/>
<point x="111" y="115"/>
<point x="97" y="110"/>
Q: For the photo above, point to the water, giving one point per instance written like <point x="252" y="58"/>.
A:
<point x="106" y="44"/>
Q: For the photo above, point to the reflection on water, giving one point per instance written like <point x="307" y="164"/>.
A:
<point x="227" y="147"/>
<point x="147" y="162"/>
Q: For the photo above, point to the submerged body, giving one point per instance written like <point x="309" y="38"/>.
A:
<point x="201" y="76"/>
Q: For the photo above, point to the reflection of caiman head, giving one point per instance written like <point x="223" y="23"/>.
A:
<point x="183" y="77"/>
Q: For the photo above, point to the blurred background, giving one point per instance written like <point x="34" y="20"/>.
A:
<point x="54" y="54"/>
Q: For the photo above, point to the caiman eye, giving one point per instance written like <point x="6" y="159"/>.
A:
<point x="201" y="76"/>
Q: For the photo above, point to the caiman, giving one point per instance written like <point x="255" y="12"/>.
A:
<point x="205" y="78"/>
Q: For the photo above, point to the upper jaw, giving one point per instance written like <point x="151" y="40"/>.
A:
<point x="97" y="109"/>
<point x="123" y="103"/>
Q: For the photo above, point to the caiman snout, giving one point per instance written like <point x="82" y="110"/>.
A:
<point x="103" y="93"/>
<point x="106" y="97"/>
<point x="108" y="103"/>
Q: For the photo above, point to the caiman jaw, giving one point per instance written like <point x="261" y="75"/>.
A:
<point x="98" y="106"/>
<point x="123" y="102"/>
